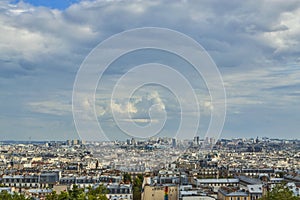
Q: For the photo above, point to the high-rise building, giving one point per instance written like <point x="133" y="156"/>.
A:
<point x="174" y="142"/>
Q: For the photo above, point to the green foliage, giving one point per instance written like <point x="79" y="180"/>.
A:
<point x="137" y="187"/>
<point x="4" y="195"/>
<point x="52" y="196"/>
<point x="280" y="192"/>
<point x="136" y="193"/>
<point x="62" y="196"/>
<point x="75" y="194"/>
<point x="97" y="193"/>
<point x="127" y="178"/>
<point x="79" y="194"/>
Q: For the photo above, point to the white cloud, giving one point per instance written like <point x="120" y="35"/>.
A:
<point x="138" y="107"/>
<point x="253" y="43"/>
<point x="208" y="104"/>
<point x="123" y="107"/>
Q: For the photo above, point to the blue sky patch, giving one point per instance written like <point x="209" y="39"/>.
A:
<point x="58" y="4"/>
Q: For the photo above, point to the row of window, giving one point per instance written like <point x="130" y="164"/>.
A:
<point x="19" y="180"/>
<point x="119" y="191"/>
<point x="120" y="196"/>
<point x="22" y="185"/>
<point x="218" y="184"/>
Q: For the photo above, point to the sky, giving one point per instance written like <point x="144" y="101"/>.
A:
<point x="254" y="44"/>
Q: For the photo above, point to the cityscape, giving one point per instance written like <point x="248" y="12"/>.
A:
<point x="149" y="100"/>
<point x="168" y="168"/>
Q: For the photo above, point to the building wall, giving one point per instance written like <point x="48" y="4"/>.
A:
<point x="119" y="196"/>
<point x="197" y="198"/>
<point x="158" y="192"/>
<point x="229" y="197"/>
<point x="255" y="196"/>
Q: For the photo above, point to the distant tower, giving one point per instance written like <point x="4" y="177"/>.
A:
<point x="197" y="140"/>
<point x="212" y="141"/>
<point x="174" y="143"/>
<point x="257" y="140"/>
<point x="133" y="142"/>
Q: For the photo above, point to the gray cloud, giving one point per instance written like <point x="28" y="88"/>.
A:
<point x="254" y="43"/>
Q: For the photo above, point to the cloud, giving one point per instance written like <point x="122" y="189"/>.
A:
<point x="208" y="104"/>
<point x="137" y="108"/>
<point x="144" y="121"/>
<point x="51" y="107"/>
<point x="254" y="43"/>
<point x="247" y="29"/>
<point x="123" y="108"/>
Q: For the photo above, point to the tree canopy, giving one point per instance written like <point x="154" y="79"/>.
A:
<point x="280" y="192"/>
<point x="15" y="196"/>
<point x="76" y="193"/>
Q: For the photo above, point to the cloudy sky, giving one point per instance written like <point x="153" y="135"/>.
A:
<point x="254" y="43"/>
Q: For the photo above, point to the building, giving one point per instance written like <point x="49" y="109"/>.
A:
<point x="20" y="181"/>
<point x="232" y="193"/>
<point x="38" y="193"/>
<point x="187" y="192"/>
<point x="174" y="142"/>
<point x="159" y="192"/>
<point x="119" y="191"/>
<point x="255" y="191"/>
<point x="217" y="182"/>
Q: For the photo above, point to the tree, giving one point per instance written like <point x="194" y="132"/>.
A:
<point x="75" y="194"/>
<point x="97" y="193"/>
<point x="79" y="194"/>
<point x="52" y="196"/>
<point x="127" y="178"/>
<point x="280" y="192"/>
<point x="63" y="196"/>
<point x="5" y="195"/>
<point x="15" y="196"/>
<point x="137" y="187"/>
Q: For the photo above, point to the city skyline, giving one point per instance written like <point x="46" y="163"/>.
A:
<point x="253" y="43"/>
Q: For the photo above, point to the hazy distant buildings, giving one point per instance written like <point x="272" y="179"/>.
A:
<point x="74" y="142"/>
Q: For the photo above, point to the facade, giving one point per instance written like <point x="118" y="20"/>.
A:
<point x="21" y="181"/>
<point x="38" y="193"/>
<point x="217" y="182"/>
<point x="119" y="191"/>
<point x="226" y="193"/>
<point x="197" y="197"/>
<point x="255" y="191"/>
<point x="160" y="192"/>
